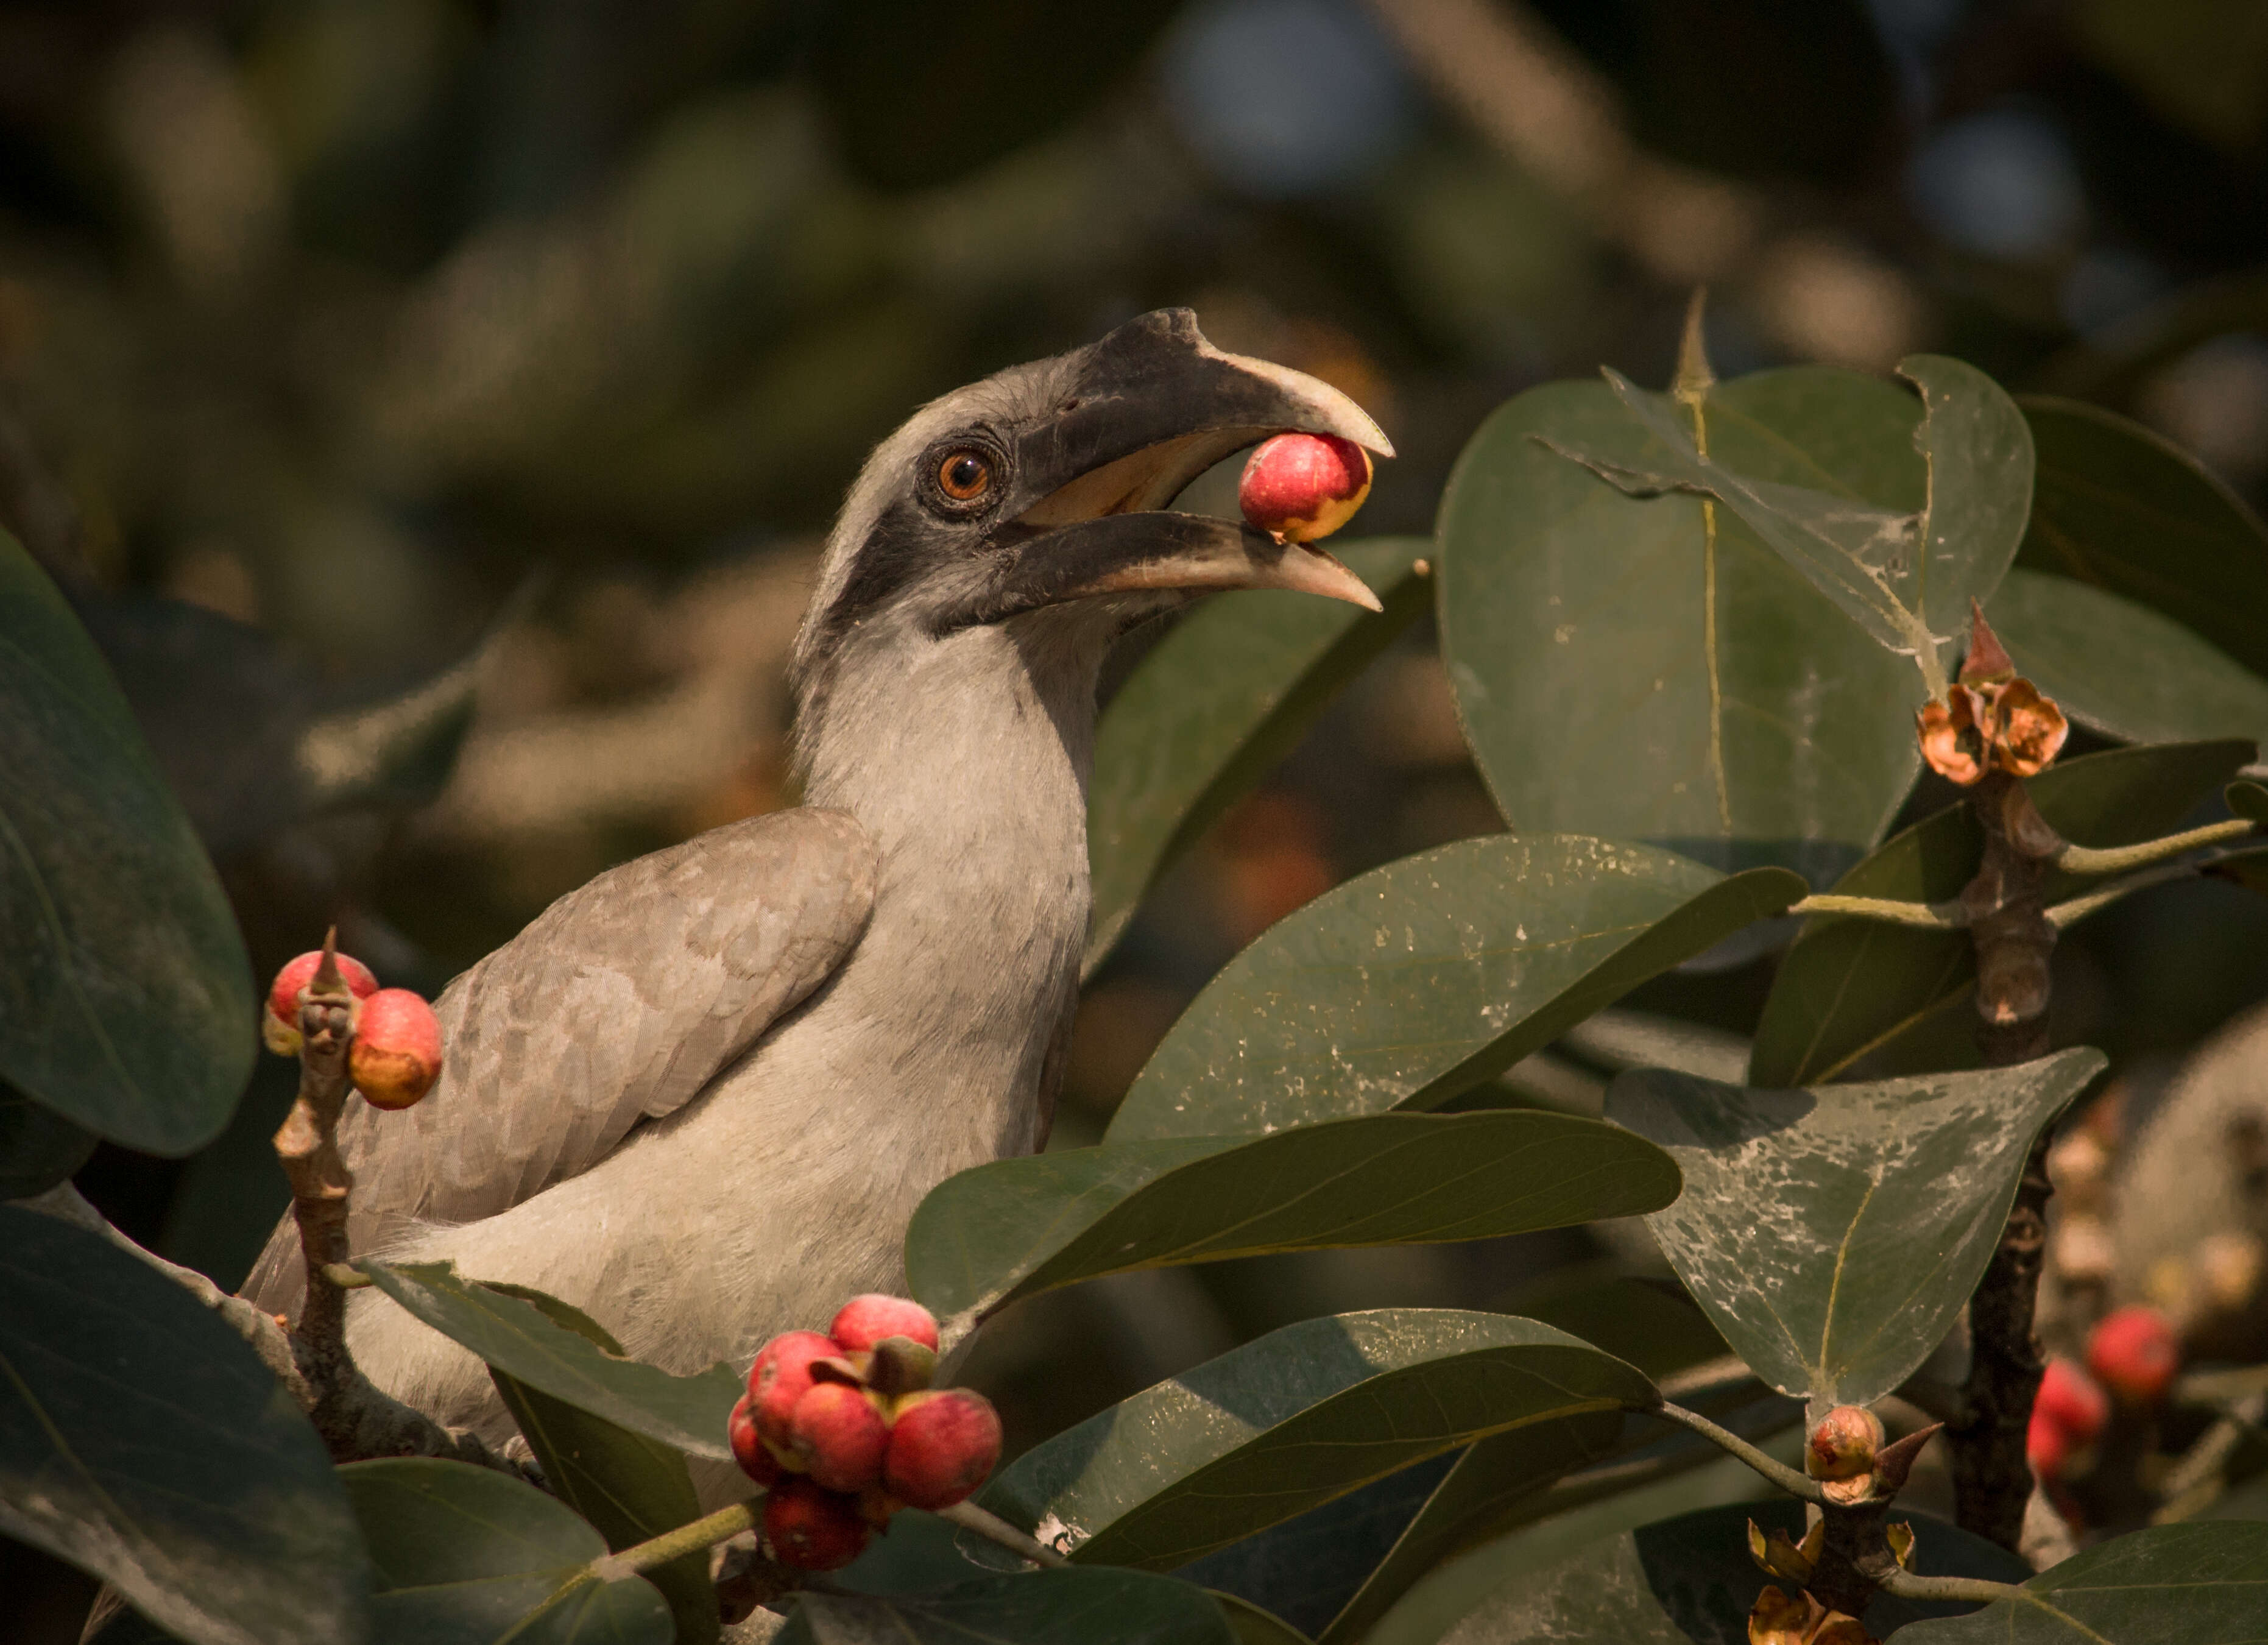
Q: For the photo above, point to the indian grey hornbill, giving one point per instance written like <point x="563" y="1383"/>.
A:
<point x="701" y="1096"/>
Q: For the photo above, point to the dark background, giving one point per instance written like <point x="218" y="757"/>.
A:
<point x="329" y="329"/>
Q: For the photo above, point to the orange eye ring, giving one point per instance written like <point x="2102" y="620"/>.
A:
<point x="964" y="475"/>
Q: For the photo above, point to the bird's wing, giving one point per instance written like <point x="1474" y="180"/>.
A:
<point x="619" y="1002"/>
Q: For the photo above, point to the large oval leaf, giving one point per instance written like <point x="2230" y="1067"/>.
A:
<point x="2194" y="1584"/>
<point x="1043" y="1608"/>
<point x="1689" y="1581"/>
<point x="470" y="1556"/>
<point x="1304" y="1414"/>
<point x="2122" y="668"/>
<point x="1216" y="704"/>
<point x="2123" y="508"/>
<point x="1423" y="978"/>
<point x="1624" y="668"/>
<point x="1019" y="1226"/>
<point x="1847" y="988"/>
<point x="142" y="1441"/>
<point x="125" y="995"/>
<point x="520" y="1338"/>
<point x="1833" y="1234"/>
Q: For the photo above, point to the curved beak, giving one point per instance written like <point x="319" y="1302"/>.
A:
<point x="1152" y="406"/>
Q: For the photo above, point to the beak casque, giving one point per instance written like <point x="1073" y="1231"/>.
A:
<point x="1153" y="406"/>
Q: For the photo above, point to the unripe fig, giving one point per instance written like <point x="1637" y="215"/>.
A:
<point x="396" y="1055"/>
<point x="1299" y="488"/>
<point x="279" y="1023"/>
<point x="943" y="1443"/>
<point x="839" y="1436"/>
<point x="813" y="1529"/>
<point x="2073" y="1400"/>
<point x="865" y="1320"/>
<point x="1842" y="1445"/>
<point x="749" y="1449"/>
<point x="2133" y="1352"/>
<point x="781" y="1375"/>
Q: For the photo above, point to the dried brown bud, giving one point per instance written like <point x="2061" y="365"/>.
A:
<point x="1988" y="661"/>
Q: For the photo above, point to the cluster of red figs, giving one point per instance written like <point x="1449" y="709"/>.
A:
<point x="395" y="1054"/>
<point x="2132" y="1354"/>
<point x="1994" y="719"/>
<point x="1300" y="487"/>
<point x="844" y="1430"/>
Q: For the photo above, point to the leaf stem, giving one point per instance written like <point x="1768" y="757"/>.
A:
<point x="2119" y="859"/>
<point x="2065" y="915"/>
<point x="1778" y="1472"/>
<point x="706" y="1532"/>
<point x="1958" y="1589"/>
<point x="989" y="1525"/>
<point x="1927" y="916"/>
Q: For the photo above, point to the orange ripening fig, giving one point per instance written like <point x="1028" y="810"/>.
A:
<point x="279" y="1022"/>
<point x="1299" y="488"/>
<point x="943" y="1444"/>
<point x="396" y="1055"/>
<point x="1992" y="717"/>
<point x="838" y="1434"/>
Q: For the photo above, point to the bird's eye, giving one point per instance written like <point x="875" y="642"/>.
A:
<point x="964" y="475"/>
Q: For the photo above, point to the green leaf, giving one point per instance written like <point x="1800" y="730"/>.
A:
<point x="2246" y="868"/>
<point x="1305" y="1414"/>
<point x="525" y="1339"/>
<point x="1215" y="705"/>
<point x="1253" y="1625"/>
<point x="631" y="1488"/>
<point x="1689" y="1581"/>
<point x="1833" y="1234"/>
<point x="38" y="1148"/>
<point x="2121" y="668"/>
<point x="2124" y="509"/>
<point x="471" y="1556"/>
<point x="1419" y="980"/>
<point x="126" y="1000"/>
<point x="2204" y="1583"/>
<point x="1847" y="987"/>
<point x="2249" y="801"/>
<point x="1076" y="1607"/>
<point x="1619" y="676"/>
<point x="142" y="1441"/>
<point x="1020" y="1226"/>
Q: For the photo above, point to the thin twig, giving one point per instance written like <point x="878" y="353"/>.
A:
<point x="2119" y="859"/>
<point x="1957" y="1589"/>
<point x="2063" y="916"/>
<point x="706" y="1532"/>
<point x="1778" y="1472"/>
<point x="1927" y="916"/>
<point x="1715" y="1373"/>
<point x="991" y="1526"/>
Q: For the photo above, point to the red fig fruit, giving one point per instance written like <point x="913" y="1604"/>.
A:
<point x="749" y="1449"/>
<point x="2133" y="1352"/>
<point x="1842" y="1445"/>
<point x="865" y="1320"/>
<point x="279" y="1023"/>
<point x="2047" y="1443"/>
<point x="2073" y="1400"/>
<point x="813" y="1529"/>
<point x="942" y="1445"/>
<point x="839" y="1436"/>
<point x="396" y="1055"/>
<point x="781" y="1375"/>
<point x="1302" y="487"/>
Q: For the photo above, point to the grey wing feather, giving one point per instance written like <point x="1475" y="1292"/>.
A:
<point x="621" y="1001"/>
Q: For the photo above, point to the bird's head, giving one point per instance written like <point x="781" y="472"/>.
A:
<point x="1035" y="502"/>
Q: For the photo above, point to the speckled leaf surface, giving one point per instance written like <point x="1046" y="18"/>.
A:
<point x="1024" y="1225"/>
<point x="1075" y="1607"/>
<point x="2120" y="507"/>
<point x="126" y="1000"/>
<point x="1300" y="1416"/>
<point x="1689" y="1581"/>
<point x="2121" y="668"/>
<point x="1423" y="978"/>
<point x="2185" y="1584"/>
<point x="1848" y="988"/>
<point x="519" y="1338"/>
<point x="1622" y="670"/>
<point x="1214" y="706"/>
<point x="1833" y="1234"/>
<point x="141" y="1440"/>
<point x="471" y="1556"/>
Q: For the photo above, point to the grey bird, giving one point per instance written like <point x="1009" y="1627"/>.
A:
<point x="700" y="1096"/>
